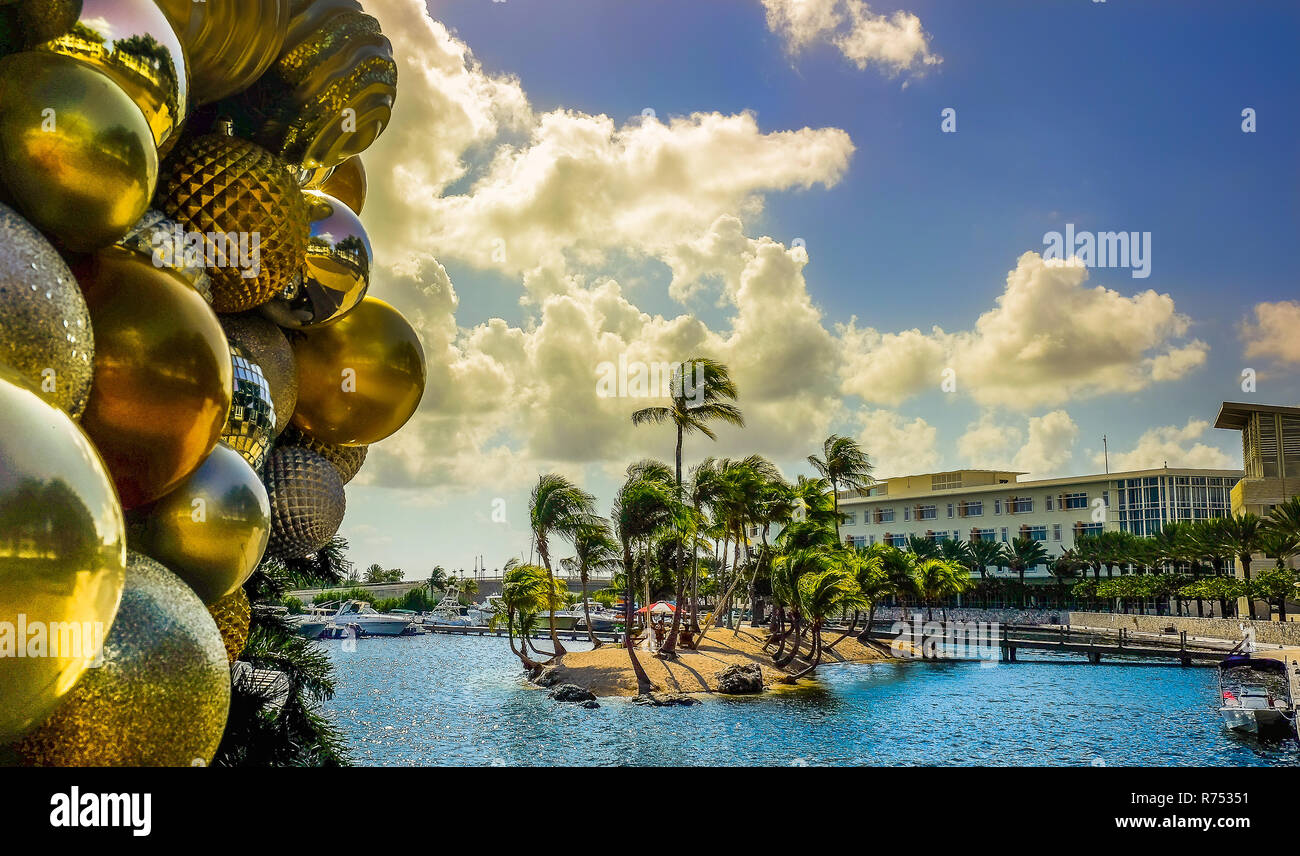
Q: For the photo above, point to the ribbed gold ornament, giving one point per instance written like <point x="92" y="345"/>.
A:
<point x="218" y="186"/>
<point x="162" y="695"/>
<point x="347" y="184"/>
<point x="229" y="43"/>
<point x="267" y="346"/>
<point x="346" y="459"/>
<point x="307" y="501"/>
<point x="232" y="614"/>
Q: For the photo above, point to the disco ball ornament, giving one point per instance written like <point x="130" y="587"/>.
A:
<point x="359" y="379"/>
<point x="79" y="159"/>
<point x="220" y="187"/>
<point x="250" y="428"/>
<point x="45" y="331"/>
<point x="232" y="614"/>
<point x="337" y="273"/>
<point x="346" y="459"/>
<point x="62" y="554"/>
<point x="229" y="43"/>
<point x="162" y="695"/>
<point x="26" y="23"/>
<point x="265" y="344"/>
<point x="347" y="184"/>
<point x="307" y="501"/>
<point x="132" y="42"/>
<point x="330" y="93"/>
<point x="163" y="376"/>
<point x="168" y="244"/>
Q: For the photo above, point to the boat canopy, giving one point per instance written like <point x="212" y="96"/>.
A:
<point x="1267" y="664"/>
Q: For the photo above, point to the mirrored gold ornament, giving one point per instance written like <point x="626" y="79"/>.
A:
<point x="307" y="501"/>
<point x="168" y="244"/>
<point x="44" y="324"/>
<point x="250" y="428"/>
<point x="133" y="43"/>
<point x="229" y="43"/>
<point x="346" y="459"/>
<point x="62" y="555"/>
<point x="79" y="159"/>
<point x="330" y="93"/>
<point x="347" y="184"/>
<point x="162" y="695"/>
<point x="221" y="188"/>
<point x="26" y="23"/>
<point x="337" y="273"/>
<point x="267" y="346"/>
<point x="232" y="614"/>
<point x="211" y="531"/>
<point x="359" y="379"/>
<point x="163" y="377"/>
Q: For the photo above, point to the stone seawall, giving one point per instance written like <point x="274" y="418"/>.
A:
<point x="999" y="616"/>
<point x="1272" y="632"/>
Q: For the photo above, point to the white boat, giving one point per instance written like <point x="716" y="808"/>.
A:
<point x="369" y="621"/>
<point x="311" y="623"/>
<point x="480" y="614"/>
<point x="1255" y="693"/>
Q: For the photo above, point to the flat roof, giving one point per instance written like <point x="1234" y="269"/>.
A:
<point x="1041" y="483"/>
<point x="1235" y="414"/>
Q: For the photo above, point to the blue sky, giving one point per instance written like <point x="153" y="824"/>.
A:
<point x="1110" y="116"/>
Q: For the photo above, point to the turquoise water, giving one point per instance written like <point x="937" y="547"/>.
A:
<point x="432" y="700"/>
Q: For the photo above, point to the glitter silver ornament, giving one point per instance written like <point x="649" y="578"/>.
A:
<point x="250" y="428"/>
<point x="307" y="501"/>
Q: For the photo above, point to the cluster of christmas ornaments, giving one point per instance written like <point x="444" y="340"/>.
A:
<point x="190" y="367"/>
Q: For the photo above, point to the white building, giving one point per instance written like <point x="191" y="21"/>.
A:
<point x="993" y="505"/>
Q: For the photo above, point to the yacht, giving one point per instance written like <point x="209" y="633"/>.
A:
<point x="1256" y="692"/>
<point x="311" y="623"/>
<point x="368" y="621"/>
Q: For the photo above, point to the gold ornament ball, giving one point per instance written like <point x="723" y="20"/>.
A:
<point x="331" y="92"/>
<point x="267" y="346"/>
<point x="44" y="324"/>
<point x="229" y="43"/>
<point x="62" y="555"/>
<point x="163" y="376"/>
<point x="250" y="428"/>
<point x="79" y="159"/>
<point x="162" y="695"/>
<point x="359" y="379"/>
<point x="26" y="23"/>
<point x="307" y="502"/>
<point x="232" y="615"/>
<point x="337" y="274"/>
<point x="217" y="186"/>
<point x="132" y="42"/>
<point x="347" y="184"/>
<point x="212" y="529"/>
<point x="346" y="459"/>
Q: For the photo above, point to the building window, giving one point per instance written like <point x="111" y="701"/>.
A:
<point x="950" y="509"/>
<point x="1076" y="500"/>
<point x="884" y="515"/>
<point x="1088" y="529"/>
<point x="925" y="512"/>
<point x="896" y="540"/>
<point x="974" y="509"/>
<point x="850" y="518"/>
<point x="983" y="535"/>
<point x="1049" y="502"/>
<point x="1022" y="505"/>
<point x="1056" y="532"/>
<point x="907" y="512"/>
<point x="1004" y="534"/>
<point x="997" y="506"/>
<point x="858" y="540"/>
<point x="1038" y="533"/>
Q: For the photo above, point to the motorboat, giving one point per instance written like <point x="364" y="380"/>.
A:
<point x="1256" y="692"/>
<point x="370" y="622"/>
<point x="481" y="614"/>
<point x="311" y="623"/>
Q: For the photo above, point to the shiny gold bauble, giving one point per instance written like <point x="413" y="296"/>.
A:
<point x="229" y="43"/>
<point x="211" y="531"/>
<point x="337" y="274"/>
<point x="307" y="501"/>
<point x="250" y="428"/>
<point x="167" y="244"/>
<point x="79" y="159"/>
<point x="266" y="345"/>
<point x="218" y="186"/>
<point x="163" y="377"/>
<point x="347" y="184"/>
<point x="346" y="459"/>
<point x="132" y="42"/>
<point x="162" y="695"/>
<point x="330" y="94"/>
<point x="26" y="23"/>
<point x="62" y="555"/>
<point x="359" y="379"/>
<point x="232" y="614"/>
<point x="44" y="324"/>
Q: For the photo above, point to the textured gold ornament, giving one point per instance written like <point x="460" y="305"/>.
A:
<point x="232" y="614"/>
<point x="212" y="529"/>
<point x="330" y="94"/>
<point x="161" y="697"/>
<point x="163" y="377"/>
<point x="133" y="43"/>
<point x="346" y="459"/>
<point x="250" y="428"/>
<point x="267" y="346"/>
<point x="347" y="184"/>
<point x="337" y="274"/>
<point x="229" y="43"/>
<point x="62" y="554"/>
<point x="26" y="23"/>
<point x="307" y="501"/>
<point x="359" y="379"/>
<point x="218" y="186"/>
<point x="79" y="159"/>
<point x="164" y="241"/>
<point x="44" y="324"/>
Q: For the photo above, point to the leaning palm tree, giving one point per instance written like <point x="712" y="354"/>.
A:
<point x="641" y="508"/>
<point x="937" y="579"/>
<point x="525" y="591"/>
<point x="558" y="507"/>
<point x="843" y="462"/>
<point x="868" y="572"/>
<point x="594" y="550"/>
<point x="821" y="594"/>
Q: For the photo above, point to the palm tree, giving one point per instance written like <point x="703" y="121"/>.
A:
<point x="821" y="594"/>
<point x="867" y="568"/>
<point x="558" y="507"/>
<point x="525" y="591"/>
<point x="922" y="547"/>
<point x="984" y="553"/>
<point x="936" y="579"/>
<point x="1025" y="553"/>
<point x="843" y="462"/>
<point x="712" y="399"/>
<point x="642" y="506"/>
<point x="594" y="550"/>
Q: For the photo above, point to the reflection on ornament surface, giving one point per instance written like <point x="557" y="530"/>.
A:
<point x="250" y="428"/>
<point x="267" y="346"/>
<point x="347" y="184"/>
<point x="229" y="43"/>
<point x="337" y="273"/>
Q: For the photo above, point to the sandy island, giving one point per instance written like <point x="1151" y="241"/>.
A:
<point x="607" y="670"/>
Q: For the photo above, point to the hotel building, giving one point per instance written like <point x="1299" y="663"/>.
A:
<point x="994" y="505"/>
<point x="1270" y="452"/>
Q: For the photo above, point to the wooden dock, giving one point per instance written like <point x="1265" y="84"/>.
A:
<point x="544" y="633"/>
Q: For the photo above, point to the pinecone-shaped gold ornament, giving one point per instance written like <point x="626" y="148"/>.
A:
<point x="346" y="459"/>
<point x="243" y="210"/>
<point x="307" y="502"/>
